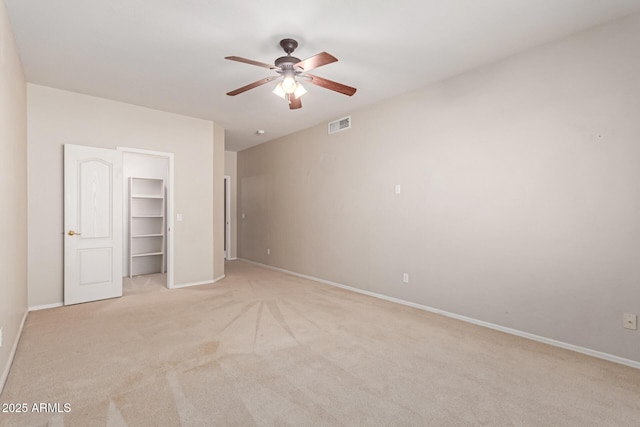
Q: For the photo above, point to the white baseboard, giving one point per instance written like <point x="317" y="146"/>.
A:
<point x="186" y="285"/>
<point x="44" y="307"/>
<point x="14" y="348"/>
<point x="549" y="341"/>
<point x="203" y="282"/>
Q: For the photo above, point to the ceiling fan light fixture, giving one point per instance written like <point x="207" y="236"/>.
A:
<point x="299" y="91"/>
<point x="280" y="91"/>
<point x="289" y="84"/>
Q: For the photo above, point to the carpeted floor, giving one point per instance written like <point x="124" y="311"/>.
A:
<point x="144" y="283"/>
<point x="265" y="348"/>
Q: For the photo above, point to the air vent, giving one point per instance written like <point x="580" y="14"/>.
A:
<point x="340" y="125"/>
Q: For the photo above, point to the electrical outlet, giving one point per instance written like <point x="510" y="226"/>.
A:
<point x="268" y="251"/>
<point x="397" y="189"/>
<point x="405" y="278"/>
<point x="630" y="321"/>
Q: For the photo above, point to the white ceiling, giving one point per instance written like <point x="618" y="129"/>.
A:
<point x="169" y="54"/>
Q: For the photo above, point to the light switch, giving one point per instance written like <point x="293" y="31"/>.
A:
<point x="243" y="215"/>
<point x="398" y="188"/>
<point x="178" y="217"/>
<point x="630" y="321"/>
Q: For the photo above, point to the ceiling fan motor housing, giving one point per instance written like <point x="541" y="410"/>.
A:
<point x="286" y="62"/>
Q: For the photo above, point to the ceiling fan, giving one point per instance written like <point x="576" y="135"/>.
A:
<point x="289" y="68"/>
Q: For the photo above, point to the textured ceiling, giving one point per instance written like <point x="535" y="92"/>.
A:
<point x="169" y="54"/>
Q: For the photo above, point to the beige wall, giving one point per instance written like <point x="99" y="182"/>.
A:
<point x="519" y="203"/>
<point x="56" y="117"/>
<point x="231" y="170"/>
<point x="218" y="202"/>
<point x="13" y="194"/>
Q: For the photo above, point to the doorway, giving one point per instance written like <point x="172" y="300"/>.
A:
<point x="148" y="249"/>
<point x="227" y="217"/>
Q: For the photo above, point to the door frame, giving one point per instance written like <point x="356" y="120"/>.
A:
<point x="227" y="225"/>
<point x="170" y="196"/>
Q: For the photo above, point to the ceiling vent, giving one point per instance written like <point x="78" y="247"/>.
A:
<point x="340" y="125"/>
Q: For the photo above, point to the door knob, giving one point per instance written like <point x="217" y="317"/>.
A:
<point x="73" y="233"/>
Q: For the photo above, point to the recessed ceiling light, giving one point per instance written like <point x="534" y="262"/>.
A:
<point x="259" y="132"/>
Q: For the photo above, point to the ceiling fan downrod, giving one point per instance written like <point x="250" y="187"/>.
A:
<point x="288" y="45"/>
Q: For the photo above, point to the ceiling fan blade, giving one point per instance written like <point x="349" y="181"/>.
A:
<point x="294" y="103"/>
<point x="252" y="85"/>
<point x="331" y="85"/>
<point x="323" y="58"/>
<point x="250" y="61"/>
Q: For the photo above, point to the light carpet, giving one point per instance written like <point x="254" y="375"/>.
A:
<point x="266" y="348"/>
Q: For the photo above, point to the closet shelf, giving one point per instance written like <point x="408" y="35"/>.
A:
<point x="147" y="226"/>
<point x="146" y="254"/>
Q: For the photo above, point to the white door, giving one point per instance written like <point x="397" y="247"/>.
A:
<point x="93" y="224"/>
